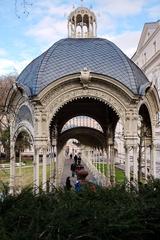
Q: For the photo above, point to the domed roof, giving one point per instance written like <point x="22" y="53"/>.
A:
<point x="71" y="55"/>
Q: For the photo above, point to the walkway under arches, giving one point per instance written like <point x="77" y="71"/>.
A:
<point x="86" y="77"/>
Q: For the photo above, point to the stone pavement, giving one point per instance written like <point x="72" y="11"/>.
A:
<point x="67" y="172"/>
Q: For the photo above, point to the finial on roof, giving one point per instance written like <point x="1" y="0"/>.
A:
<point x="82" y="23"/>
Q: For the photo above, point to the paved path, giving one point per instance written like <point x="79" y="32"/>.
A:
<point x="67" y="172"/>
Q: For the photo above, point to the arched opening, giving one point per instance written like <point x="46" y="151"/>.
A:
<point x="24" y="114"/>
<point x="119" y="143"/>
<point x="23" y="160"/>
<point x="79" y="31"/>
<point x="82" y="121"/>
<point x="84" y="142"/>
<point x="145" y="149"/>
<point x="79" y="26"/>
<point x="85" y="32"/>
<point x="93" y="123"/>
<point x="86" y="19"/>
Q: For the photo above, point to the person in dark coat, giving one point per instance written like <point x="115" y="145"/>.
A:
<point x="75" y="159"/>
<point x="73" y="168"/>
<point x="79" y="160"/>
<point x="68" y="184"/>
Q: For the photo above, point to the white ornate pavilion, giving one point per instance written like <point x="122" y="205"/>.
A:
<point x="83" y="75"/>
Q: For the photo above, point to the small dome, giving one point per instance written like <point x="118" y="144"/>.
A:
<point x="82" y="10"/>
<point x="82" y="23"/>
<point x="71" y="55"/>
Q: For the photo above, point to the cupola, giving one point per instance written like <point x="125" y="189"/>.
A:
<point x="82" y="23"/>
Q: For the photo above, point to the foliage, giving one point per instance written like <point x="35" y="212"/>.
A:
<point x="62" y="215"/>
<point x="6" y="83"/>
<point x="23" y="141"/>
<point x="4" y="138"/>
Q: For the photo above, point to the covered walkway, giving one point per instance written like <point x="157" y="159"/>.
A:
<point x="67" y="172"/>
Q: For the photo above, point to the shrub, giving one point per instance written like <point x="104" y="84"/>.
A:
<point x="104" y="214"/>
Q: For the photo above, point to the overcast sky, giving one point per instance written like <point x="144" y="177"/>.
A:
<point x="26" y="32"/>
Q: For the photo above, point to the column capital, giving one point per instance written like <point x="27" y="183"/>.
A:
<point x="127" y="146"/>
<point x="135" y="146"/>
<point x="37" y="148"/>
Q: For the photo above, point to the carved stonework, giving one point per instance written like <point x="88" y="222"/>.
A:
<point x="58" y="102"/>
<point x="85" y="78"/>
<point x="148" y="101"/>
<point x="23" y="126"/>
<point x="72" y="83"/>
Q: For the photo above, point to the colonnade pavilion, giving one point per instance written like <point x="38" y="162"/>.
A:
<point x="83" y="75"/>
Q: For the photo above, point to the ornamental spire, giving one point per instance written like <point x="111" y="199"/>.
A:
<point x="82" y="23"/>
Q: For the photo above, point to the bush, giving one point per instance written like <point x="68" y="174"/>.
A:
<point x="104" y="214"/>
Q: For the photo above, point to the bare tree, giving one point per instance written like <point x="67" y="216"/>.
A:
<point x="22" y="7"/>
<point x="6" y="83"/>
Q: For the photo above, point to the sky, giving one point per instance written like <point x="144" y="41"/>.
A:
<point x="26" y="32"/>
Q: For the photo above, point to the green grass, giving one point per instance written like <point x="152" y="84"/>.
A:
<point x="26" y="175"/>
<point x="120" y="177"/>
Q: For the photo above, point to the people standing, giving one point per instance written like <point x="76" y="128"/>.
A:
<point x="68" y="184"/>
<point x="73" y="168"/>
<point x="79" y="160"/>
<point x="75" y="159"/>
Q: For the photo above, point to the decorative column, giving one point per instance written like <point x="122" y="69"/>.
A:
<point x="57" y="164"/>
<point x="36" y="169"/>
<point x="153" y="159"/>
<point x="89" y="27"/>
<point x="127" y="163"/>
<point x="135" y="163"/>
<point x="108" y="165"/>
<point x="51" y="167"/>
<point x="12" y="167"/>
<point x="112" y="157"/>
<point x="131" y="140"/>
<point x="75" y="25"/>
<point x="145" y="163"/>
<point x="44" y="172"/>
<point x="103" y="161"/>
<point x="20" y="170"/>
<point x="82" y="30"/>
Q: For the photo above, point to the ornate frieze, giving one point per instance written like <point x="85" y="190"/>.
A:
<point x="100" y="95"/>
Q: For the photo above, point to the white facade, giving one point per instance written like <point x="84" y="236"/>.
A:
<point x="147" y="56"/>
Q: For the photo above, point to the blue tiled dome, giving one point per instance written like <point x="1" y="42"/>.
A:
<point x="71" y="55"/>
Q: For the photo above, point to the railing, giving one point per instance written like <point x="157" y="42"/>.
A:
<point x="100" y="178"/>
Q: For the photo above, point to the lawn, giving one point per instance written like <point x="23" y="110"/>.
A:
<point x="119" y="173"/>
<point x="26" y="177"/>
